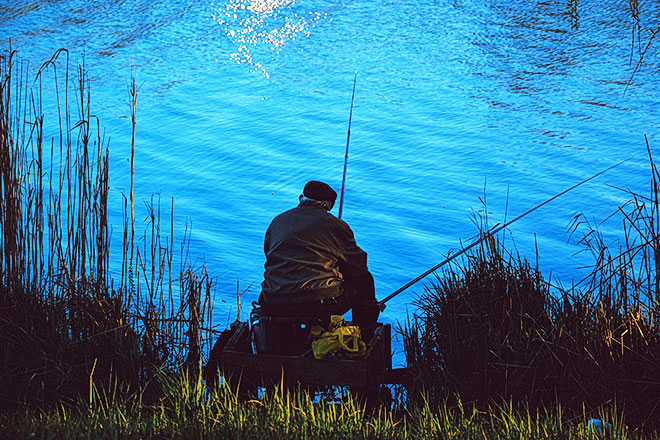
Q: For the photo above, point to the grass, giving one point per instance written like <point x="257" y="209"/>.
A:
<point x="494" y="350"/>
<point x="188" y="410"/>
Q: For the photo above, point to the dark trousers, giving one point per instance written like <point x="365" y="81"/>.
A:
<point x="357" y="293"/>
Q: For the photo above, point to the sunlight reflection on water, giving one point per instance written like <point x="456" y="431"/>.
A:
<point x="254" y="24"/>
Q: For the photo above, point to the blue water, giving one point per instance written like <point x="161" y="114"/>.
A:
<point x="242" y="102"/>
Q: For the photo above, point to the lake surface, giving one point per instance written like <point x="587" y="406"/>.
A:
<point x="242" y="102"/>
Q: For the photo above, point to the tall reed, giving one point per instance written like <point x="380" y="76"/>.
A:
<point x="63" y="318"/>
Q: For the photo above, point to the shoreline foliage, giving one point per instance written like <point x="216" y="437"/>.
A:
<point x="63" y="319"/>
<point x="491" y="329"/>
<point x="86" y="355"/>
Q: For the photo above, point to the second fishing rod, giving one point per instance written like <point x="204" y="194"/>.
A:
<point x="348" y="139"/>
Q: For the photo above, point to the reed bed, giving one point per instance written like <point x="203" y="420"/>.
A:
<point x="63" y="318"/>
<point x="492" y="330"/>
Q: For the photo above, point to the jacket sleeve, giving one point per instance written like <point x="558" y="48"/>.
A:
<point x="352" y="259"/>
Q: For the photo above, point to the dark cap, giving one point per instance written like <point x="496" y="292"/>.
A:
<point x="319" y="191"/>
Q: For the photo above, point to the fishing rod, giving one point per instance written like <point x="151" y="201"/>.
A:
<point x="348" y="138"/>
<point x="491" y="233"/>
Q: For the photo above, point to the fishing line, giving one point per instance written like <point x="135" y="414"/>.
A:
<point x="490" y="234"/>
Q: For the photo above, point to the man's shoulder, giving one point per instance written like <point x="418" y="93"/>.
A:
<point x="286" y="213"/>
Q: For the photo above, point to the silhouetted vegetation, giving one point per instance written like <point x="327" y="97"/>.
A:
<point x="63" y="320"/>
<point x="494" y="350"/>
<point x="491" y="329"/>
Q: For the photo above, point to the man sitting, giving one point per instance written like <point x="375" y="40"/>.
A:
<point x="314" y="268"/>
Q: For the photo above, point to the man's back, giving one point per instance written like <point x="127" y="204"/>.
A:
<point x="307" y="249"/>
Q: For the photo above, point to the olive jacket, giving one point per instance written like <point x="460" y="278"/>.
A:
<point x="308" y="253"/>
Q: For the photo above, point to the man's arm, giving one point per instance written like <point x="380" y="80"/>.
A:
<point x="352" y="259"/>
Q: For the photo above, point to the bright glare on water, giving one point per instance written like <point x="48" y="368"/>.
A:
<point x="262" y="24"/>
<point x="457" y="102"/>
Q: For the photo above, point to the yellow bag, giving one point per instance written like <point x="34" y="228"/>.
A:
<point x="338" y="338"/>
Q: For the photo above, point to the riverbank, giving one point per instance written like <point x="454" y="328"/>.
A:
<point x="87" y="352"/>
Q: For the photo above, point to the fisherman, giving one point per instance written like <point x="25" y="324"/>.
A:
<point x="314" y="268"/>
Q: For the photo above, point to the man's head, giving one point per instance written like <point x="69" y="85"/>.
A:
<point x="316" y="191"/>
